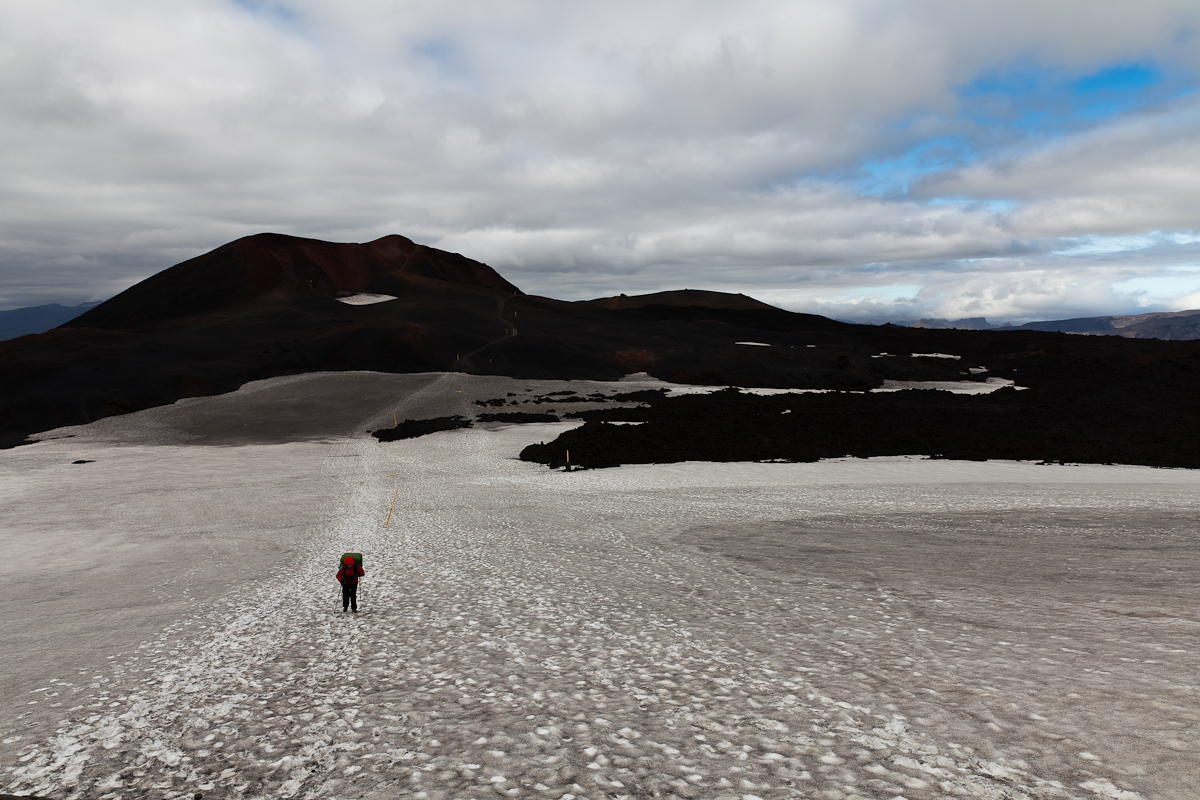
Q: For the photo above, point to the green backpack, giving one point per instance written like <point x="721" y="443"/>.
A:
<point x="357" y="560"/>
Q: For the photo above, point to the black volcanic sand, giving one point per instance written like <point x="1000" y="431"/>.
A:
<point x="1106" y="424"/>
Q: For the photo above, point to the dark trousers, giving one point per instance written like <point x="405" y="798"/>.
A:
<point x="350" y="595"/>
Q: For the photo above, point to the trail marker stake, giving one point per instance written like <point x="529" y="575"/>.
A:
<point x="393" y="505"/>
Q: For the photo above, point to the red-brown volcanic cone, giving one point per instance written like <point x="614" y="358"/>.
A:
<point x="267" y="265"/>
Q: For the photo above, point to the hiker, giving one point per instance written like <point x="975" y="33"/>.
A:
<point x="348" y="576"/>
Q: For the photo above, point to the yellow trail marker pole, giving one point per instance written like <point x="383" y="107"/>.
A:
<point x="393" y="505"/>
<point x="395" y="421"/>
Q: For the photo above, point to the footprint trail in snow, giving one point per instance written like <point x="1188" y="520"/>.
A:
<point x="527" y="633"/>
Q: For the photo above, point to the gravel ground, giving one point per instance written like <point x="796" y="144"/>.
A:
<point x="879" y="629"/>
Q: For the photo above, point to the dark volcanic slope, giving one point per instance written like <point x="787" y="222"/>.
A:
<point x="682" y="297"/>
<point x="273" y="267"/>
<point x="266" y="306"/>
<point x="1168" y="326"/>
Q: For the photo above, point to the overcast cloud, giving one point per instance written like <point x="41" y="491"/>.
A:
<point x="864" y="160"/>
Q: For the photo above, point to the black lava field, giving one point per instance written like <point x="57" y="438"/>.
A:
<point x="1048" y="426"/>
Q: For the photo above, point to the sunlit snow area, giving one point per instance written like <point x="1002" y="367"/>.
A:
<point x="954" y="387"/>
<point x="365" y="299"/>
<point x="883" y="628"/>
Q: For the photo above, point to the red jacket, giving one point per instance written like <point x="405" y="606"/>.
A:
<point x="350" y="573"/>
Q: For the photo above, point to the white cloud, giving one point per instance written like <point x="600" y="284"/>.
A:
<point x="588" y="149"/>
<point x="1141" y="174"/>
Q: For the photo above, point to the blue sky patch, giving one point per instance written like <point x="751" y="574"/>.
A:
<point x="995" y="206"/>
<point x="894" y="174"/>
<point x="1039" y="100"/>
<point x="1126" y="78"/>
<point x="273" y="11"/>
<point x="1161" y="290"/>
<point x="1120" y="89"/>
<point x="1104" y="245"/>
<point x="447" y="57"/>
<point x="1002" y="109"/>
<point x="881" y="293"/>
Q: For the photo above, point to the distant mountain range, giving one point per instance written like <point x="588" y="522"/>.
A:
<point x="1166" y="325"/>
<point x="38" y="319"/>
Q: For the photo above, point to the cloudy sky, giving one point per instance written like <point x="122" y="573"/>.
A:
<point x="865" y="160"/>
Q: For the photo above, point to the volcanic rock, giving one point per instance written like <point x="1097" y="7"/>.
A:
<point x="273" y="267"/>
<point x="268" y="306"/>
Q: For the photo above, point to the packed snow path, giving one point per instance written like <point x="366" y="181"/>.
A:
<point x="529" y="633"/>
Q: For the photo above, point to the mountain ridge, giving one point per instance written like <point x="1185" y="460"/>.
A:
<point x="271" y="264"/>
<point x="16" y="322"/>
<point x="702" y="298"/>
<point x="270" y="305"/>
<point x="1165" y="325"/>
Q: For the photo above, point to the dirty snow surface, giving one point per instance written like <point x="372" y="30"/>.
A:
<point x="850" y="629"/>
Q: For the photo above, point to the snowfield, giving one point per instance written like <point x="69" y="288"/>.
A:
<point x="876" y="628"/>
<point x="365" y="299"/>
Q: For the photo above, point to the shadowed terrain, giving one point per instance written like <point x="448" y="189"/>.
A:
<point x="271" y="305"/>
<point x="37" y="319"/>
<point x="1113" y="424"/>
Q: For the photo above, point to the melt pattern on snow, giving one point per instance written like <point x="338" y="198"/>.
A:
<point x="496" y="654"/>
